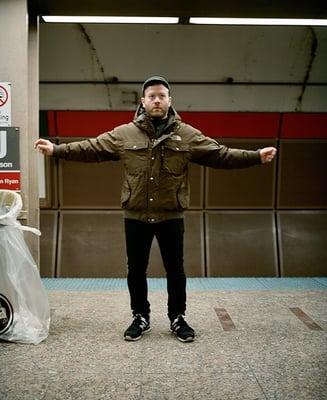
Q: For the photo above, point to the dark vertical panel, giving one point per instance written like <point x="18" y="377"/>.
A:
<point x="43" y="124"/>
<point x="303" y="174"/>
<point x="91" y="244"/>
<point x="303" y="243"/>
<point x="193" y="248"/>
<point x="241" y="244"/>
<point x="252" y="187"/>
<point x="48" y="242"/>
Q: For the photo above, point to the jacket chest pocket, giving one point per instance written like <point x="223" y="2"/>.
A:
<point x="135" y="157"/>
<point x="175" y="157"/>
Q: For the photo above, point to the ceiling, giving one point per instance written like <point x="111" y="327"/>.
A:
<point x="183" y="8"/>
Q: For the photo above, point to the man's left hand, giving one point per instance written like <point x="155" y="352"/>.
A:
<point x="267" y="154"/>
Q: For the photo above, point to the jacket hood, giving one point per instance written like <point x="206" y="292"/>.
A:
<point x="143" y="121"/>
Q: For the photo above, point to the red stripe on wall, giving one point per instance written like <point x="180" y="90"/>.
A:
<point x="90" y="123"/>
<point x="234" y="124"/>
<point x="304" y="125"/>
<point x="214" y="124"/>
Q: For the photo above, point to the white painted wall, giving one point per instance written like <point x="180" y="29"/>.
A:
<point x="183" y="53"/>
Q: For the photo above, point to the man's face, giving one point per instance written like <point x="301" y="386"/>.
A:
<point x="156" y="101"/>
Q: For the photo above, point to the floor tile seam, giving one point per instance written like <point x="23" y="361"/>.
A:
<point x="212" y="373"/>
<point x="234" y="343"/>
<point x="259" y="384"/>
<point x="252" y="370"/>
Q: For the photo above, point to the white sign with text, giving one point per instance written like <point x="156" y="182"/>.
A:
<point x="5" y="104"/>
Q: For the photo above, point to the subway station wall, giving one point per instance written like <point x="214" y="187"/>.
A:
<point x="245" y="86"/>
<point x="245" y="222"/>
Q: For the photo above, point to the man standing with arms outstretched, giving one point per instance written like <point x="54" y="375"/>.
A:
<point x="155" y="150"/>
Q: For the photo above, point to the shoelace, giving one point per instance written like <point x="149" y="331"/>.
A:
<point x="139" y="321"/>
<point x="179" y="322"/>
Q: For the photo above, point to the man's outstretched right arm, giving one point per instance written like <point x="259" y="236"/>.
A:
<point x="105" y="147"/>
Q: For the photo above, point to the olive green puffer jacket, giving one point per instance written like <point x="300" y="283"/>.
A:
<point x="156" y="186"/>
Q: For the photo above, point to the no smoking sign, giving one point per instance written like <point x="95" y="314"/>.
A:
<point x="3" y="96"/>
<point x="5" y="104"/>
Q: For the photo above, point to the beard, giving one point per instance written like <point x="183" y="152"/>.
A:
<point x="157" y="112"/>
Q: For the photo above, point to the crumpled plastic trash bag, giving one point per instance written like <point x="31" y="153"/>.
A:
<point x="24" y="305"/>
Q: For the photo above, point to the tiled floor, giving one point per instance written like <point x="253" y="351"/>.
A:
<point x="270" y="353"/>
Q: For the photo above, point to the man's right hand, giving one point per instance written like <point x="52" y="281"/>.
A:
<point x="44" y="146"/>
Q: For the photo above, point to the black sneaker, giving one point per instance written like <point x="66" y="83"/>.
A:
<point x="137" y="328"/>
<point x="182" y="330"/>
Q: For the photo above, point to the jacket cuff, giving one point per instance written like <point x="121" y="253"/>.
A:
<point x="58" y="150"/>
<point x="258" y="157"/>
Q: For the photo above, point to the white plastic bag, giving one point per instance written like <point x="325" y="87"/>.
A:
<point x="24" y="306"/>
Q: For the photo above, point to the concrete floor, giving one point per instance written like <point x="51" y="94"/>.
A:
<point x="263" y="352"/>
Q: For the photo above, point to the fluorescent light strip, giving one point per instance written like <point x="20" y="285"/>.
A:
<point x="110" y="20"/>
<point x="259" y="21"/>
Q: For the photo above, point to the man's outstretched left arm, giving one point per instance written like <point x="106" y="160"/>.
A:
<point x="207" y="151"/>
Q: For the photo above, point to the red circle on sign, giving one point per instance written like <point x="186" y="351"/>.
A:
<point x="3" y="101"/>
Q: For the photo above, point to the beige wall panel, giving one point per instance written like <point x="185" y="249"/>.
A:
<point x="51" y="183"/>
<point x="48" y="242"/>
<point x="303" y="243"/>
<point x="89" y="185"/>
<point x="91" y="244"/>
<point x="193" y="249"/>
<point x="241" y="244"/>
<point x="242" y="188"/>
<point x="85" y="185"/>
<point x="303" y="174"/>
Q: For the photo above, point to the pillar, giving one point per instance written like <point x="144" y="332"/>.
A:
<point x="19" y="65"/>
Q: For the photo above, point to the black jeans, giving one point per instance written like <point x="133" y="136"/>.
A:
<point x="139" y="237"/>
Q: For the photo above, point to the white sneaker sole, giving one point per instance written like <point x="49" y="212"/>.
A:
<point x="187" y="340"/>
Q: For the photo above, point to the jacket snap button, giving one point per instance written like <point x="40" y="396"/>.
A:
<point x="177" y="148"/>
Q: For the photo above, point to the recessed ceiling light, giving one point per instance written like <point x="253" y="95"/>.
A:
<point x="109" y="20"/>
<point x="259" y="21"/>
